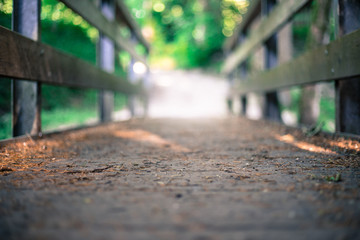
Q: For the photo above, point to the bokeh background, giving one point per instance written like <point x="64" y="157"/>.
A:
<point x="183" y="34"/>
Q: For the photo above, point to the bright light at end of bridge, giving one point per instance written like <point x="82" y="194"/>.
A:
<point x="139" y="68"/>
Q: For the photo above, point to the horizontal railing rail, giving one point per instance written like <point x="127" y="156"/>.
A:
<point x="125" y="16"/>
<point x="29" y="62"/>
<point x="337" y="61"/>
<point x="278" y="18"/>
<point x="91" y="13"/>
<point x="23" y="58"/>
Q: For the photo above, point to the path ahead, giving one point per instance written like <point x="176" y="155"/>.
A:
<point x="181" y="179"/>
<point x="187" y="94"/>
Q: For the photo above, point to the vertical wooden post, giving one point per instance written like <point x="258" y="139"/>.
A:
<point x="243" y="75"/>
<point x="132" y="79"/>
<point x="146" y="93"/>
<point x="347" y="91"/>
<point x="229" y="97"/>
<point x="272" y="110"/>
<point x="26" y="105"/>
<point x="285" y="53"/>
<point x="243" y="98"/>
<point x="106" y="59"/>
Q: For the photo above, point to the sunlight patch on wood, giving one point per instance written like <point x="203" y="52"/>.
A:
<point x="303" y="145"/>
<point x="144" y="136"/>
<point x="346" y="144"/>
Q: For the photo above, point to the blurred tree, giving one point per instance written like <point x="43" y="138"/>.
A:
<point x="187" y="33"/>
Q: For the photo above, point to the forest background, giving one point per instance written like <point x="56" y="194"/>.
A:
<point x="183" y="34"/>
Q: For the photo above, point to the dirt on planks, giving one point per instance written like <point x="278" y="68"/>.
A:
<point x="168" y="178"/>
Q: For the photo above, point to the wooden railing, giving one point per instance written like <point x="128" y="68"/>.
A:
<point x="23" y="57"/>
<point x="338" y="61"/>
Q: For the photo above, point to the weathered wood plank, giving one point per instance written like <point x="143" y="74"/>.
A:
<point x="277" y="18"/>
<point x="91" y="13"/>
<point x="23" y="58"/>
<point x="338" y="60"/>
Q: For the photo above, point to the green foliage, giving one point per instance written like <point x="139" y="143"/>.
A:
<point x="5" y="126"/>
<point x="66" y="117"/>
<point x="188" y="32"/>
<point x="327" y="113"/>
<point x="5" y="20"/>
<point x="64" y="35"/>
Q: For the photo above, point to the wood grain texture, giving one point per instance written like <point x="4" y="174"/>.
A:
<point x="91" y="13"/>
<point x="337" y="60"/>
<point x="23" y="58"/>
<point x="277" y="18"/>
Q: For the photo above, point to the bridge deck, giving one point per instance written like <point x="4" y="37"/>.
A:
<point x="181" y="179"/>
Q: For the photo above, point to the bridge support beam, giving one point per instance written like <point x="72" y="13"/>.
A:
<point x="26" y="95"/>
<point x="272" y="109"/>
<point x="347" y="92"/>
<point x="106" y="60"/>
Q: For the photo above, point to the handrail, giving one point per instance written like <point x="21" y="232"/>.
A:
<point x="246" y="19"/>
<point x="91" y="13"/>
<point x="126" y="17"/>
<point x="337" y="60"/>
<point x="31" y="62"/>
<point x="278" y="18"/>
<point x="52" y="66"/>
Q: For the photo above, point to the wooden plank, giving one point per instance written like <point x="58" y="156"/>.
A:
<point x="347" y="92"/>
<point x="91" y="13"/>
<point x="23" y="58"/>
<point x="125" y="16"/>
<point x="277" y="18"/>
<point x="338" y="60"/>
<point x="26" y="95"/>
<point x="253" y="10"/>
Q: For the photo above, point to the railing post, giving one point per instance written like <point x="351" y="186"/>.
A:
<point x="132" y="78"/>
<point x="285" y="54"/>
<point x="272" y="109"/>
<point x="229" y="97"/>
<point x="243" y="75"/>
<point x="106" y="59"/>
<point x="26" y="105"/>
<point x="348" y="91"/>
<point x="243" y="98"/>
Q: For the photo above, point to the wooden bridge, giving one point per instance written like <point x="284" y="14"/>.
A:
<point x="213" y="178"/>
